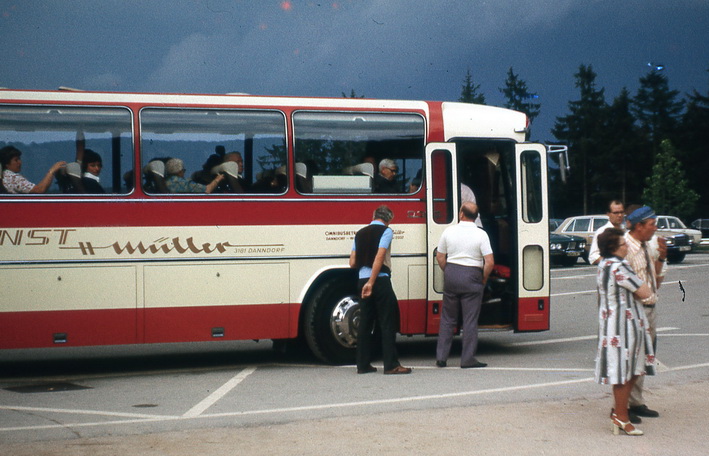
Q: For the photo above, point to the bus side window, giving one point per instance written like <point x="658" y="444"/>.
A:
<point x="247" y="147"/>
<point x="49" y="134"/>
<point x="342" y="150"/>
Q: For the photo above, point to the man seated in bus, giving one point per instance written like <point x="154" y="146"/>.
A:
<point x="176" y="182"/>
<point x="239" y="160"/>
<point x="385" y="181"/>
<point x="14" y="182"/>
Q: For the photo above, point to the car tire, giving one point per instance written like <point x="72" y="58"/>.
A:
<point x="675" y="258"/>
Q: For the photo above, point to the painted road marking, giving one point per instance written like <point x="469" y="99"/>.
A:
<point x="408" y="399"/>
<point x="219" y="393"/>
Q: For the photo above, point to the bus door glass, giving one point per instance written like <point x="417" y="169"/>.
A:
<point x="532" y="238"/>
<point x="441" y="212"/>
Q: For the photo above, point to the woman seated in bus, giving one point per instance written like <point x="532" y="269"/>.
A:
<point x="176" y="182"/>
<point x="14" y="182"/>
<point x="90" y="170"/>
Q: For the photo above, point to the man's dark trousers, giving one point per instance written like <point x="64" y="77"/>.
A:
<point x="383" y="307"/>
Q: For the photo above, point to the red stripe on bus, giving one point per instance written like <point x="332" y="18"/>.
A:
<point x="55" y="214"/>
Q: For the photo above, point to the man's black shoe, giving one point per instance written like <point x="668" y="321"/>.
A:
<point x="440" y="364"/>
<point x="367" y="370"/>
<point x="635" y="419"/>
<point x="642" y="410"/>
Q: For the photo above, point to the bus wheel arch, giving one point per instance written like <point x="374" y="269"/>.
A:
<point x="330" y="318"/>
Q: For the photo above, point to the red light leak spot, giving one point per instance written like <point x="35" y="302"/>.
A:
<point x="286" y="5"/>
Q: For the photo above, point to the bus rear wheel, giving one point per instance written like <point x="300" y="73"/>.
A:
<point x="332" y="321"/>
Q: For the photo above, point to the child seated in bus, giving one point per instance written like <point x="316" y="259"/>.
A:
<point x="90" y="170"/>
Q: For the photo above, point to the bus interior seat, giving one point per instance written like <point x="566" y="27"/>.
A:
<point x="230" y="170"/>
<point x="366" y="169"/>
<point x="69" y="178"/>
<point x="302" y="183"/>
<point x="155" y="177"/>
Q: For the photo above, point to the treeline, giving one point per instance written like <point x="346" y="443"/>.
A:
<point x="647" y="148"/>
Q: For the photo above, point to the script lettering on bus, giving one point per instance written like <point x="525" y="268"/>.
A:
<point x="168" y="245"/>
<point x="34" y="237"/>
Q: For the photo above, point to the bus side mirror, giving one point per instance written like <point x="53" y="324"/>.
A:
<point x="563" y="152"/>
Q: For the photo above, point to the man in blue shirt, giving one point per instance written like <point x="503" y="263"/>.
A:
<point x="371" y="254"/>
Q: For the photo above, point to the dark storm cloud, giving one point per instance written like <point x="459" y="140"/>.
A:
<point x="417" y="49"/>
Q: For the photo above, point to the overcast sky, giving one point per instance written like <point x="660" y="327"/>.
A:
<point x="403" y="49"/>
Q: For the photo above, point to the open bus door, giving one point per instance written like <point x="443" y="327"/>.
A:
<point x="532" y="238"/>
<point x="442" y="195"/>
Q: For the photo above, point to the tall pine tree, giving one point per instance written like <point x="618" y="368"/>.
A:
<point x="657" y="109"/>
<point x="583" y="131"/>
<point x="470" y="93"/>
<point x="518" y="96"/>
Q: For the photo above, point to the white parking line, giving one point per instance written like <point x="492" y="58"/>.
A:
<point x="157" y="418"/>
<point x="571" y="339"/>
<point x="219" y="393"/>
<point x="570" y="293"/>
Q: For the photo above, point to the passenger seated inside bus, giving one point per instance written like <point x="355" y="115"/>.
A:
<point x="14" y="182"/>
<point x="303" y="182"/>
<point x="204" y="176"/>
<point x="177" y="183"/>
<point x="154" y="174"/>
<point x="91" y="168"/>
<point x="69" y="179"/>
<point x="230" y="171"/>
<point x="386" y="179"/>
<point x="243" y="184"/>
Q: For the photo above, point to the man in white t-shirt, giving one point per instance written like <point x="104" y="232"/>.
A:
<point x="465" y="255"/>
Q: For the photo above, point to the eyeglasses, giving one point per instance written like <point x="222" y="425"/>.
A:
<point x="393" y="170"/>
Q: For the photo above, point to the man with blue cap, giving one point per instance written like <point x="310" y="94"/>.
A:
<point x="648" y="262"/>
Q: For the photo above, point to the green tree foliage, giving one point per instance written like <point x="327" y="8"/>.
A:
<point x="583" y="131"/>
<point x="518" y="96"/>
<point x="693" y="147"/>
<point x="470" y="91"/>
<point x="623" y="173"/>
<point x="667" y="188"/>
<point x="656" y="108"/>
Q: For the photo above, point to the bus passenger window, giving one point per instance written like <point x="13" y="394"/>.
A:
<point x="244" y="151"/>
<point x="93" y="145"/>
<point x="358" y="153"/>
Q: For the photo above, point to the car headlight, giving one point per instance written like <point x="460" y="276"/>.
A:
<point x="582" y="245"/>
<point x="670" y="241"/>
<point x="556" y="246"/>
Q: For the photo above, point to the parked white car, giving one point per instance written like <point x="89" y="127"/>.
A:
<point x="670" y="224"/>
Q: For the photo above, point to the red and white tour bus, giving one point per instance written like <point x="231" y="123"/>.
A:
<point x="264" y="256"/>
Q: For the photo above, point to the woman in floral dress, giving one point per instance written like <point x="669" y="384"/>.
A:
<point x="624" y="344"/>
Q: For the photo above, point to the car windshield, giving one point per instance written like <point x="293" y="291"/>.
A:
<point x="675" y="223"/>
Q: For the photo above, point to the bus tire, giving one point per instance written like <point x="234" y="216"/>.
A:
<point x="331" y="322"/>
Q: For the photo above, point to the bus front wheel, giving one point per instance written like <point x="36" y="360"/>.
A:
<point x="331" y="322"/>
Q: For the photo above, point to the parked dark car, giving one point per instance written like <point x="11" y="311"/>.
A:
<point x="703" y="226"/>
<point x="678" y="245"/>
<point x="565" y="249"/>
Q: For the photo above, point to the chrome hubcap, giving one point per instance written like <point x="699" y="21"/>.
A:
<point x="344" y="321"/>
